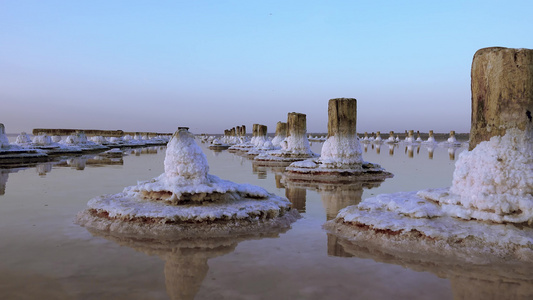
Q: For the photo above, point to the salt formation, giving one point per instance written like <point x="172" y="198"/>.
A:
<point x="391" y="139"/>
<point x="245" y="145"/>
<point x="431" y="138"/>
<point x="186" y="200"/>
<point x="378" y="138"/>
<point x="418" y="138"/>
<point x="79" y="139"/>
<point x="366" y="140"/>
<point x="410" y="139"/>
<point x="23" y="139"/>
<point x="452" y="140"/>
<point x="262" y="143"/>
<point x="294" y="148"/>
<point x="17" y="154"/>
<point x="216" y="144"/>
<point x="341" y="156"/>
<point x="488" y="210"/>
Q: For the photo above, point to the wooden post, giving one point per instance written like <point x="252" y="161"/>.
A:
<point x="502" y="92"/>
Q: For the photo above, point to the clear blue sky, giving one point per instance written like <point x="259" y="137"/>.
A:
<point x="212" y="65"/>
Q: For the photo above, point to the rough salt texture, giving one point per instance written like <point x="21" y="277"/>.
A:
<point x="127" y="207"/>
<point x="339" y="151"/>
<point x="341" y="159"/>
<point x="185" y="163"/>
<point x="42" y="140"/>
<point x="186" y="230"/>
<point x="23" y="139"/>
<point x="185" y="194"/>
<point x="494" y="181"/>
<point x="403" y="219"/>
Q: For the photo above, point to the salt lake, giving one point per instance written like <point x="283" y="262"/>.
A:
<point x="45" y="255"/>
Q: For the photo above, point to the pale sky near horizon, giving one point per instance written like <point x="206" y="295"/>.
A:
<point x="212" y="65"/>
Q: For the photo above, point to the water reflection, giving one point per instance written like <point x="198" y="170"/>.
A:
<point x="497" y="280"/>
<point x="77" y="162"/>
<point x="334" y="196"/>
<point x="4" y="175"/>
<point x="186" y="259"/>
<point x="297" y="196"/>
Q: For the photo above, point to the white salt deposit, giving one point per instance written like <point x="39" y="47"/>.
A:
<point x="185" y="192"/>
<point x="338" y="152"/>
<point x="493" y="182"/>
<point x="341" y="159"/>
<point x="185" y="163"/>
<point x="298" y="144"/>
<point x="276" y="141"/>
<point x="23" y="139"/>
<point x="42" y="140"/>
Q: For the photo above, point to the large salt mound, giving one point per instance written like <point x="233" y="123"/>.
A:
<point x="187" y="199"/>
<point x="492" y="183"/>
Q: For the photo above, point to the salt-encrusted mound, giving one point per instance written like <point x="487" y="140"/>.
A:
<point x="492" y="183"/>
<point x="186" y="199"/>
<point x="340" y="159"/>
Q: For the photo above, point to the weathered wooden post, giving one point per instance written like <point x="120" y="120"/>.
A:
<point x="502" y="92"/>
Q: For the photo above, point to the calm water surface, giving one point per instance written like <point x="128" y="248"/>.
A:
<point x="44" y="255"/>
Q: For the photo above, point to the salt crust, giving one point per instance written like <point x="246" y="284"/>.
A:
<point x="293" y="148"/>
<point x="398" y="220"/>
<point x="161" y="230"/>
<point x="493" y="183"/>
<point x="185" y="194"/>
<point x="127" y="207"/>
<point x="339" y="156"/>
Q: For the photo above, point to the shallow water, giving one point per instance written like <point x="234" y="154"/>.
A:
<point x="44" y="255"/>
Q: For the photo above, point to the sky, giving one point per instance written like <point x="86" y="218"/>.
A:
<point x="212" y="65"/>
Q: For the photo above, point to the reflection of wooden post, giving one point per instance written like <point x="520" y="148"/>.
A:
<point x="335" y="198"/>
<point x="3" y="181"/>
<point x="391" y="150"/>
<point x="451" y="153"/>
<point x="184" y="274"/>
<point x="297" y="197"/>
<point x="342" y="117"/>
<point x="334" y="248"/>
<point x="279" y="184"/>
<point x="502" y="92"/>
